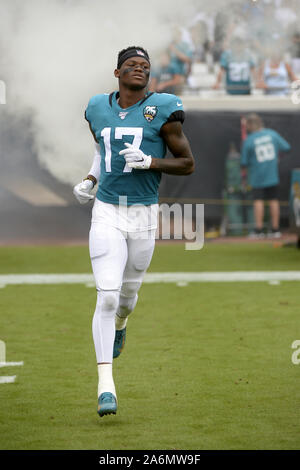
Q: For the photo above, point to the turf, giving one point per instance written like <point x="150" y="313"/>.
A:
<point x="206" y="366"/>
<point x="167" y="257"/>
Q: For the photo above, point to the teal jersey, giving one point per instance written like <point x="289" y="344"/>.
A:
<point x="238" y="72"/>
<point x="138" y="125"/>
<point x="260" y="154"/>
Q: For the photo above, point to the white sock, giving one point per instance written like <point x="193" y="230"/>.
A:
<point x="106" y="381"/>
<point x="120" y="322"/>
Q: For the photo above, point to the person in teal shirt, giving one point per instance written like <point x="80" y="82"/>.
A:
<point x="181" y="54"/>
<point x="260" y="154"/>
<point x="238" y="66"/>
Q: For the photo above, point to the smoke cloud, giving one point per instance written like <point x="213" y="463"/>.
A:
<point x="56" y="54"/>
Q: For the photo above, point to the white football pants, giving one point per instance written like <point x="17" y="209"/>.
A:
<point x="119" y="261"/>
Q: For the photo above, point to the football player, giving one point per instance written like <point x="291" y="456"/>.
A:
<point x="132" y="129"/>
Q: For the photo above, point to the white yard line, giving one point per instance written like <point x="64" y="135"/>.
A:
<point x="8" y="379"/>
<point x="150" y="278"/>
<point x="11" y="364"/>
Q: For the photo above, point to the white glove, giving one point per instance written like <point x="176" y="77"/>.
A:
<point x="82" y="191"/>
<point x="135" y="158"/>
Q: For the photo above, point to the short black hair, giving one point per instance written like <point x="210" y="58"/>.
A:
<point x="132" y="48"/>
<point x="254" y="118"/>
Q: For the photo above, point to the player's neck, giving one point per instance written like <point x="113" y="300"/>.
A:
<point x="130" y="97"/>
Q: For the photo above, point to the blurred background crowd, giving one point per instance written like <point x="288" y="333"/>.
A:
<point x="56" y="55"/>
<point x="243" y="48"/>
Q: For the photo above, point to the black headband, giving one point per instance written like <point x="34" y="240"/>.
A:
<point x="132" y="53"/>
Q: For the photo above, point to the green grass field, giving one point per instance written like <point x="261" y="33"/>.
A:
<point x="206" y="365"/>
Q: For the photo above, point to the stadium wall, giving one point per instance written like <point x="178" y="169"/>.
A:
<point x="210" y="133"/>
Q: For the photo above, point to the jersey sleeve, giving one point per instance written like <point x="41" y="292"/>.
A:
<point x="172" y="110"/>
<point x="93" y="107"/>
<point x="177" y="116"/>
<point x="90" y="112"/>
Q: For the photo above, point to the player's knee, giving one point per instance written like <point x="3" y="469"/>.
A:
<point x="129" y="289"/>
<point x="108" y="300"/>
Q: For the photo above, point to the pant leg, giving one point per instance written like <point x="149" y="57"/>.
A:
<point x="140" y="250"/>
<point x="108" y="252"/>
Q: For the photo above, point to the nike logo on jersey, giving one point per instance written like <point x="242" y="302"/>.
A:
<point x="179" y="104"/>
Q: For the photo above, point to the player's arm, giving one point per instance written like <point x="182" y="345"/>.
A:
<point x="177" y="143"/>
<point x="254" y="74"/>
<point x="222" y="70"/>
<point x="174" y="138"/>
<point x="183" y="57"/>
<point x="283" y="144"/>
<point x="290" y="72"/>
<point x="260" y="82"/>
<point x="82" y="191"/>
<point x="94" y="172"/>
<point x="219" y="78"/>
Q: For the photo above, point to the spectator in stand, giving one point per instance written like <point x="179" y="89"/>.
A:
<point x="260" y="153"/>
<point x="237" y="65"/>
<point x="167" y="78"/>
<point x="181" y="53"/>
<point x="275" y="74"/>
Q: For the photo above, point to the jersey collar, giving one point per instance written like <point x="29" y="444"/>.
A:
<point x="115" y="95"/>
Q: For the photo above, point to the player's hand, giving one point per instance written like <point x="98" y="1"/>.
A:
<point x="82" y="191"/>
<point x="135" y="158"/>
